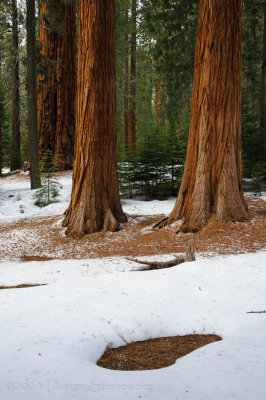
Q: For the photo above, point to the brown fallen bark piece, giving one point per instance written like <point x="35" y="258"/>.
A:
<point x="158" y="264"/>
<point x="160" y="224"/>
<point x="256" y="312"/>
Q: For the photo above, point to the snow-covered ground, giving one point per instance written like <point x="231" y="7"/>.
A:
<point x="17" y="201"/>
<point x="52" y="336"/>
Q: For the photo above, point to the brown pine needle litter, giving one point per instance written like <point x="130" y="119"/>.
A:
<point x="153" y="353"/>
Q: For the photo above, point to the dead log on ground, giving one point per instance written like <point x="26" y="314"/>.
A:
<point x="190" y="256"/>
<point x="158" y="264"/>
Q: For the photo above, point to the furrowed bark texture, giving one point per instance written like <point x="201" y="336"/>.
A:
<point x="133" y="44"/>
<point x="66" y="81"/>
<point x="47" y="92"/>
<point x="95" y="203"/>
<point x="15" y="140"/>
<point x="57" y="84"/>
<point x="212" y="182"/>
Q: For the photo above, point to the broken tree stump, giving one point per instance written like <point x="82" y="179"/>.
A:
<point x="190" y="254"/>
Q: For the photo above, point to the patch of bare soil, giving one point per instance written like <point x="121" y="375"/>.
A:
<point x="154" y="353"/>
<point x="26" y="258"/>
<point x="44" y="238"/>
<point x="20" y="286"/>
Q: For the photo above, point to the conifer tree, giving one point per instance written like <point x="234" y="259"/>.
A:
<point x="133" y="45"/>
<point x="15" y="141"/>
<point x="57" y="81"/>
<point x="95" y="203"/>
<point x="211" y="184"/>
<point x="32" y="96"/>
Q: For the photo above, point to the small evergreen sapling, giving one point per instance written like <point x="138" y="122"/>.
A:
<point x="49" y="191"/>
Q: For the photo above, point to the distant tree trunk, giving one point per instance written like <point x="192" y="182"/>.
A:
<point x="32" y="96"/>
<point x="263" y="101"/>
<point x="57" y="84"/>
<point x="133" y="44"/>
<point x="47" y="86"/>
<point x="212" y="182"/>
<point x="1" y="147"/>
<point x="95" y="203"/>
<point x="15" y="141"/>
<point x="125" y="125"/>
<point x="66" y="89"/>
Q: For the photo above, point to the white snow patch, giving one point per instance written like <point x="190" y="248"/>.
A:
<point x="52" y="336"/>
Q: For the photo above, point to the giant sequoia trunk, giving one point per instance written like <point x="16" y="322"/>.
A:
<point x="15" y="140"/>
<point x="212" y="184"/>
<point x="57" y="83"/>
<point x="132" y="121"/>
<point x="66" y="89"/>
<point x="47" y="86"/>
<point x="95" y="203"/>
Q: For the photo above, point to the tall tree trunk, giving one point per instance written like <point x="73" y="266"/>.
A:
<point x="125" y="120"/>
<point x="1" y="147"/>
<point x="263" y="97"/>
<point x="212" y="182"/>
<point x="57" y="84"/>
<point x="15" y="140"/>
<point x="32" y="96"/>
<point x="47" y="85"/>
<point x="66" y="89"/>
<point x="95" y="203"/>
<point x="133" y="44"/>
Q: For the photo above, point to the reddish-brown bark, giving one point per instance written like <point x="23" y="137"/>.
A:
<point x="46" y="101"/>
<point x="57" y="83"/>
<point x="95" y="203"/>
<point x="66" y="89"/>
<point x="212" y="182"/>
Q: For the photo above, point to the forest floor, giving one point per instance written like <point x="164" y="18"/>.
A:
<point x="64" y="301"/>
<point x="36" y="237"/>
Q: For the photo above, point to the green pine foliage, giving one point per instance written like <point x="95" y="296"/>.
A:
<point x="253" y="136"/>
<point x="49" y="191"/>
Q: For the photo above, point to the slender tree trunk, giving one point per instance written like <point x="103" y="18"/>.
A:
<point x="95" y="203"/>
<point x="125" y="125"/>
<point x="157" y="100"/>
<point x="263" y="97"/>
<point x="133" y="44"/>
<point x="66" y="89"/>
<point x="32" y="97"/>
<point x="15" y="141"/>
<point x="1" y="147"/>
<point x="212" y="182"/>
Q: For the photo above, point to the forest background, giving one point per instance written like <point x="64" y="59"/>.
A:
<point x="155" y="47"/>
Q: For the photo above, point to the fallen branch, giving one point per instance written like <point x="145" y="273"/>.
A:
<point x="190" y="256"/>
<point x="158" y="264"/>
<point x="256" y="312"/>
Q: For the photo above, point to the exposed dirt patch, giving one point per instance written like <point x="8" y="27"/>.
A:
<point x="44" y="238"/>
<point x="154" y="353"/>
<point x="20" y="286"/>
<point x="26" y="258"/>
